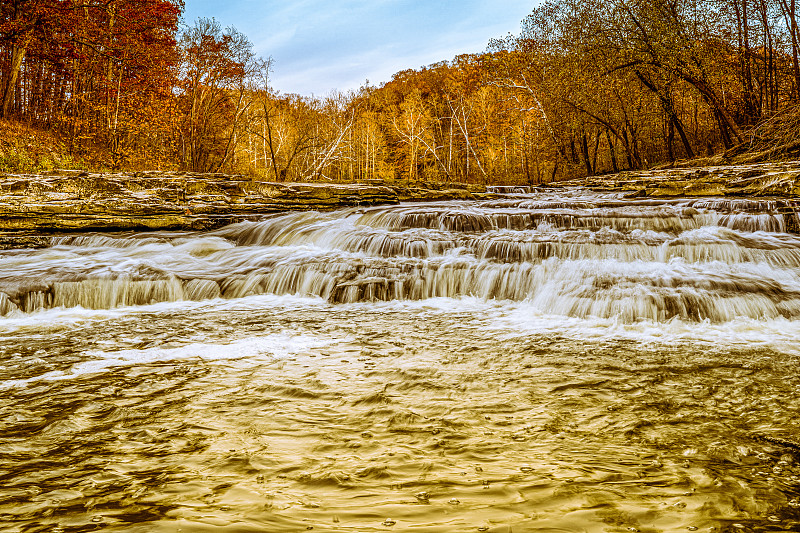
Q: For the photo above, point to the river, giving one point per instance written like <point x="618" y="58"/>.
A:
<point x="553" y="361"/>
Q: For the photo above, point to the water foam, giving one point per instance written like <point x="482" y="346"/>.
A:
<point x="519" y="320"/>
<point x="248" y="352"/>
<point x="514" y="321"/>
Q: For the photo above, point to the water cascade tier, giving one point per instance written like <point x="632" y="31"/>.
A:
<point x="570" y="253"/>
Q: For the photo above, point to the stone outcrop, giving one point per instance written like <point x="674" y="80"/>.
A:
<point x="66" y="201"/>
<point x="756" y="180"/>
<point x="32" y="206"/>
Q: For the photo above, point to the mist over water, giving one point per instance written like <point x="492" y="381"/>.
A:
<point x="564" y="361"/>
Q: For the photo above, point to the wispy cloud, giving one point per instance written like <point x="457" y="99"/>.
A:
<point x="319" y="45"/>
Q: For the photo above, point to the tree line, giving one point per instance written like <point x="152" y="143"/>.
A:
<point x="586" y="87"/>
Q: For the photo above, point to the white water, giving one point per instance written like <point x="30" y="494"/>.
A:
<point x="581" y="257"/>
<point x="565" y="361"/>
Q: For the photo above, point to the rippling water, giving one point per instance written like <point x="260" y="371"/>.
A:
<point x="549" y="362"/>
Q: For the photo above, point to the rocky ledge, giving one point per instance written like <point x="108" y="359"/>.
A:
<point x="67" y="201"/>
<point x="754" y="180"/>
<point x="32" y="206"/>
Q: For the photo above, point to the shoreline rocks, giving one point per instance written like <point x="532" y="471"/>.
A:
<point x="63" y="201"/>
<point x="70" y="201"/>
<point x="755" y="180"/>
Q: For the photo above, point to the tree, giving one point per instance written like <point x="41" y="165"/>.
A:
<point x="21" y="23"/>
<point x="217" y="64"/>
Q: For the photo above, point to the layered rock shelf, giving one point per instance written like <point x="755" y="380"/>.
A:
<point x="756" y="180"/>
<point x="32" y="206"/>
<point x="67" y="201"/>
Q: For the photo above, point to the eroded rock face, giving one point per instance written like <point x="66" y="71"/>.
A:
<point x="68" y="201"/>
<point x="764" y="179"/>
<point x="75" y="201"/>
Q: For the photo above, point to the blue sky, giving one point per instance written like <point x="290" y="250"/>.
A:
<point x="320" y="45"/>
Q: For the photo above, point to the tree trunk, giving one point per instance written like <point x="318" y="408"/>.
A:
<point x="669" y="109"/>
<point x="612" y="153"/>
<point x="670" y="140"/>
<point x="585" y="153"/>
<point x="749" y="97"/>
<point x="686" y="146"/>
<point x="17" y="55"/>
<point x="271" y="144"/>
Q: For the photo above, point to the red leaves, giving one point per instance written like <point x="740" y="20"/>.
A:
<point x="101" y="70"/>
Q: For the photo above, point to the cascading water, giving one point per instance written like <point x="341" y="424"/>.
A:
<point x="552" y="360"/>
<point x="602" y="257"/>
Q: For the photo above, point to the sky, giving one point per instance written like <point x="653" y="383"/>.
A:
<point x="319" y="46"/>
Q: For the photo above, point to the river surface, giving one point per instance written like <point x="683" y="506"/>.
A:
<point x="562" y="361"/>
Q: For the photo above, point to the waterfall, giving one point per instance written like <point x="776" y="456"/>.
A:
<point x="571" y="253"/>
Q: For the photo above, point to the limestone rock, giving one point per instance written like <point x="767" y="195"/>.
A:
<point x="761" y="180"/>
<point x="63" y="201"/>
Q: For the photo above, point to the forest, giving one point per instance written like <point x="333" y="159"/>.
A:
<point x="586" y="87"/>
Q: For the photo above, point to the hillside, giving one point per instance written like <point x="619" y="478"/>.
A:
<point x="25" y="149"/>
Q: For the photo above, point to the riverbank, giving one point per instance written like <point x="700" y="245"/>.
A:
<point x="759" y="180"/>
<point x="62" y="201"/>
<point x="69" y="201"/>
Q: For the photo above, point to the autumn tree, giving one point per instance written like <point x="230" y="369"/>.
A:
<point x="23" y="24"/>
<point x="91" y="69"/>
<point x="217" y="64"/>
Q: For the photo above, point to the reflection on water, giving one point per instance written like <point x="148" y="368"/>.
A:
<point x="498" y="367"/>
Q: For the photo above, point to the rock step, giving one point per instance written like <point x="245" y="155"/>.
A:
<point x="761" y="180"/>
<point x="79" y="201"/>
